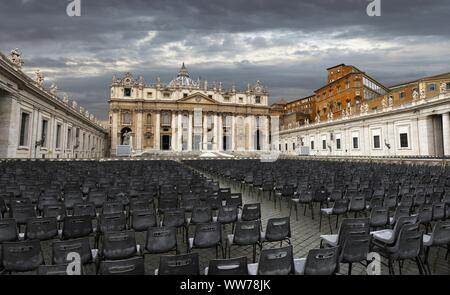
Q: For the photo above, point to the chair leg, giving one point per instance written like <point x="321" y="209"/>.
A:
<point x="400" y="267"/>
<point x="337" y="221"/>
<point x="419" y="265"/>
<point x="320" y="220"/>
<point x="312" y="211"/>
<point x="350" y="266"/>
<point x="426" y="262"/>
<point x="329" y="223"/>
<point x="254" y="253"/>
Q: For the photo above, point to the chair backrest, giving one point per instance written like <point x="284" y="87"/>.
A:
<point x="438" y="211"/>
<point x="379" y="216"/>
<point x="131" y="266"/>
<point x="355" y="248"/>
<point x="174" y="217"/>
<point x="52" y="270"/>
<point x="278" y="229"/>
<point x="340" y="206"/>
<point x="112" y="207"/>
<point x="42" y="228"/>
<point x="112" y="222"/>
<point x="441" y="233"/>
<point x="227" y="214"/>
<point x="81" y="209"/>
<point x="57" y="210"/>
<point x="402" y="221"/>
<point x="251" y="212"/>
<point x="77" y="227"/>
<point x="207" y="235"/>
<point x="119" y="245"/>
<point x="357" y="203"/>
<point x="425" y="214"/>
<point x="233" y="266"/>
<point x="142" y="220"/>
<point x="187" y="264"/>
<point x="401" y="211"/>
<point x="97" y="197"/>
<point x="361" y="225"/>
<point x="60" y="249"/>
<point x="8" y="230"/>
<point x="278" y="261"/>
<point x="22" y="256"/>
<point x="247" y="232"/>
<point x="234" y="199"/>
<point x="201" y="214"/>
<point x="161" y="239"/>
<point x="322" y="261"/>
<point x="409" y="243"/>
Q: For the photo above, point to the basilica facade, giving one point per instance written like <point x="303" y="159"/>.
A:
<point x="187" y="115"/>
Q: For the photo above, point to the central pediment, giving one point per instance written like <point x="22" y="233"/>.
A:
<point x="197" y="98"/>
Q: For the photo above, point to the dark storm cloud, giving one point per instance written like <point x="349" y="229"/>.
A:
<point x="84" y="52"/>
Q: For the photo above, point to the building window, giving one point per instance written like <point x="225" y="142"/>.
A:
<point x="286" y="145"/>
<point x="166" y="119"/>
<point x="24" y="129"/>
<point x="258" y="99"/>
<point x="44" y="133"/>
<point x="69" y="138"/>
<point x="293" y="146"/>
<point x="241" y="99"/>
<point x="226" y="98"/>
<point x="149" y="94"/>
<point x="185" y="95"/>
<point x="376" y="142"/>
<point x="324" y="144"/>
<point x="312" y="144"/>
<point x="166" y="95"/>
<point x="149" y="119"/>
<point x="126" y="118"/>
<point x="58" y="136"/>
<point x="355" y="143"/>
<point x="127" y="92"/>
<point x="402" y="94"/>
<point x="404" y="140"/>
<point x="447" y="86"/>
<point x="279" y="147"/>
<point x="432" y="87"/>
<point x="338" y="143"/>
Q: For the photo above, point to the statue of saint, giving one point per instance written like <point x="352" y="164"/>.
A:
<point x="126" y="138"/>
<point x="16" y="58"/>
<point x="39" y="78"/>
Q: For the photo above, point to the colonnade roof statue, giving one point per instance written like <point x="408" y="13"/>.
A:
<point x="16" y="60"/>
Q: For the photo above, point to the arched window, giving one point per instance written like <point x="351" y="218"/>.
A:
<point x="149" y="119"/>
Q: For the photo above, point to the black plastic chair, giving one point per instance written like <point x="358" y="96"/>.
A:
<point x="355" y="249"/>
<point x="439" y="237"/>
<point x="251" y="212"/>
<point x="340" y="207"/>
<point x="379" y="217"/>
<point x="277" y="230"/>
<point x="246" y="233"/>
<point x="77" y="227"/>
<point x="8" y="230"/>
<point x="207" y="235"/>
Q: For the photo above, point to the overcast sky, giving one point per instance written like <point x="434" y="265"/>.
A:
<point x="285" y="44"/>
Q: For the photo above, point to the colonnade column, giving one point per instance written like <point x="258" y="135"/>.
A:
<point x="214" y="131"/>
<point x="233" y="133"/>
<point x="266" y="133"/>
<point x="446" y="133"/>
<point x="205" y="133"/>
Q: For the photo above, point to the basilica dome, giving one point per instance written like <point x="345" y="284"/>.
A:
<point x="183" y="79"/>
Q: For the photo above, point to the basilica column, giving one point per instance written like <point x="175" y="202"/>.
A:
<point x="138" y="131"/>
<point x="180" y="132"/>
<point x="219" y="132"/>
<point x="157" y="132"/>
<point x="205" y="132"/>
<point x="446" y="133"/>
<point x="251" y="133"/>
<point x="190" y="132"/>
<point x="174" y="135"/>
<point x="215" y="135"/>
